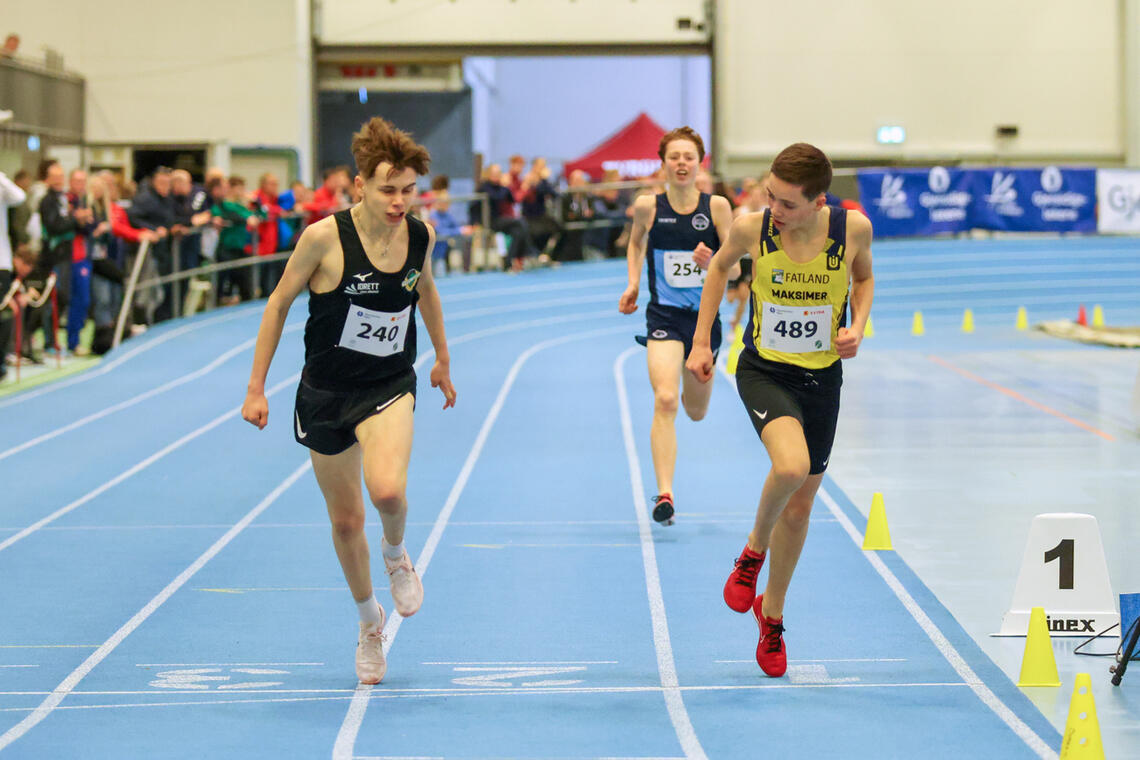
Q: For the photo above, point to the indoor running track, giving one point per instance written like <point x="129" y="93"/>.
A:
<point x="170" y="590"/>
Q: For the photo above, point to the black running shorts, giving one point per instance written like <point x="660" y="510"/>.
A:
<point x="671" y="323"/>
<point x="325" y="421"/>
<point x="771" y="390"/>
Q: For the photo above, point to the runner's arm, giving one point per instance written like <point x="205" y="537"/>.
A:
<point x="848" y="339"/>
<point x="643" y="210"/>
<point x="432" y="312"/>
<point x="741" y="237"/>
<point x="311" y="247"/>
<point x="722" y="220"/>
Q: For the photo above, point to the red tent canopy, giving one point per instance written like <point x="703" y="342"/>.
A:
<point x="632" y="150"/>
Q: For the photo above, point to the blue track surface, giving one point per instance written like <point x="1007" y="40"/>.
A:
<point x="170" y="588"/>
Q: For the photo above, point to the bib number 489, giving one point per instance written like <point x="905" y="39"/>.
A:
<point x="786" y="329"/>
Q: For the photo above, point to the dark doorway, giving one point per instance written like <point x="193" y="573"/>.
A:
<point x="441" y="121"/>
<point x="193" y="160"/>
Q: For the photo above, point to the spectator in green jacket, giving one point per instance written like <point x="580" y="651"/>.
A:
<point x="234" y="218"/>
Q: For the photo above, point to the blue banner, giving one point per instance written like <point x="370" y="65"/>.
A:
<point x="917" y="201"/>
<point x="1035" y="200"/>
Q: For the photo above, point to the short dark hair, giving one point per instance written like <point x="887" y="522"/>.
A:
<point x="682" y="133"/>
<point x="806" y="166"/>
<point x="19" y="175"/>
<point x="378" y="142"/>
<point x="42" y="169"/>
<point x="440" y="182"/>
<point x="237" y="179"/>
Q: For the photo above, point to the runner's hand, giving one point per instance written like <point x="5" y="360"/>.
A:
<point x="700" y="363"/>
<point x="847" y="342"/>
<point x="255" y="410"/>
<point x="441" y="378"/>
<point x="627" y="304"/>
<point x="702" y="255"/>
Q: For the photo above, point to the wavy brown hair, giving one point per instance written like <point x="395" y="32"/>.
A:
<point x="682" y="133"/>
<point x="804" y="165"/>
<point x="378" y="141"/>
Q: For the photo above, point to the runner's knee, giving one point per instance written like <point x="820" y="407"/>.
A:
<point x="347" y="524"/>
<point x="790" y="472"/>
<point x="387" y="494"/>
<point x="665" y="401"/>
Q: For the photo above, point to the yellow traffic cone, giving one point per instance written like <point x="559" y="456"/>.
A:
<point x="1038" y="667"/>
<point x="734" y="350"/>
<point x="878" y="536"/>
<point x="916" y="328"/>
<point x="1022" y="319"/>
<point x="1098" y="317"/>
<point x="1081" y="740"/>
<point x="868" y="331"/>
<point x="968" y="321"/>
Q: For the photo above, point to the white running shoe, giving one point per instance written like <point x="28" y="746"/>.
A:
<point x="407" y="591"/>
<point x="370" y="663"/>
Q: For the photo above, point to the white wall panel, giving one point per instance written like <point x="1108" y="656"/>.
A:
<point x="156" y="72"/>
<point x="831" y="72"/>
<point x="506" y="22"/>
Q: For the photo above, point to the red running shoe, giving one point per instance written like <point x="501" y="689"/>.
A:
<point x="663" y="508"/>
<point x="771" y="655"/>
<point x="740" y="588"/>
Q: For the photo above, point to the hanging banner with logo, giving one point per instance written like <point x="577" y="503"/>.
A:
<point x="1035" y="200"/>
<point x="1118" y="196"/>
<point x="917" y="201"/>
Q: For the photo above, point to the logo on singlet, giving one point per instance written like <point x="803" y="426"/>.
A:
<point x="700" y="222"/>
<point x="411" y="280"/>
<point x="666" y="219"/>
<point x="777" y="276"/>
<point x="363" y="277"/>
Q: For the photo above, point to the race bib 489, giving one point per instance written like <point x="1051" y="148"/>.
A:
<point x="795" y="329"/>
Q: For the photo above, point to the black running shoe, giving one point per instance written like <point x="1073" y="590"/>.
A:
<point x="663" y="508"/>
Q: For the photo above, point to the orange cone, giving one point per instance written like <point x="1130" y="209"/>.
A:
<point x="1082" y="317"/>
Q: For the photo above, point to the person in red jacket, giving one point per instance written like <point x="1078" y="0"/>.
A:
<point x="330" y="196"/>
<point x="108" y="254"/>
<point x="267" y="207"/>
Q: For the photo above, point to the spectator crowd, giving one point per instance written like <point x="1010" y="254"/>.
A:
<point x="72" y="239"/>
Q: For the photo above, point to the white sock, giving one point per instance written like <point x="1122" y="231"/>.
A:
<point x="391" y="552"/>
<point x="369" y="610"/>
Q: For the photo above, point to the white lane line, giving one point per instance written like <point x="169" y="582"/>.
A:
<point x="222" y="664"/>
<point x="847" y="659"/>
<point x="119" y="360"/>
<point x="343" y="695"/>
<point x="345" y="744"/>
<point x="952" y="656"/>
<point x="528" y="305"/>
<point x="679" y="716"/>
<point x="467" y="691"/>
<point x="48" y="646"/>
<point x="137" y="468"/>
<point x="560" y="287"/>
<point x="60" y="692"/>
<point x="541" y="662"/>
<point x="514" y="327"/>
<point x="25" y="532"/>
<point x="947" y="650"/>
<point x="200" y="372"/>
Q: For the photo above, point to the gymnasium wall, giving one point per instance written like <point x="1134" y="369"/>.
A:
<point x="210" y="71"/>
<point x="506" y="22"/>
<point x="831" y="72"/>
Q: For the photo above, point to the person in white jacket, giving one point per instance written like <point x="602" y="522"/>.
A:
<point x="10" y="195"/>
